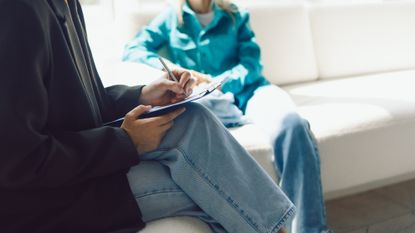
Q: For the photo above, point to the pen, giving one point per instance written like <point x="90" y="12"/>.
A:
<point x="168" y="70"/>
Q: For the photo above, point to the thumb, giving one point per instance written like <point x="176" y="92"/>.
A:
<point x="137" y="111"/>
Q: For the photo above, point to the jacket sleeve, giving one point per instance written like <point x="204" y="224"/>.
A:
<point x="249" y="69"/>
<point x="31" y="155"/>
<point x="124" y="98"/>
<point x="149" y="40"/>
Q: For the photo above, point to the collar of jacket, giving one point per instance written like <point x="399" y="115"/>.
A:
<point x="218" y="14"/>
<point x="59" y="7"/>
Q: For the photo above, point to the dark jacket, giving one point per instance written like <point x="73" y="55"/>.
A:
<point x="60" y="169"/>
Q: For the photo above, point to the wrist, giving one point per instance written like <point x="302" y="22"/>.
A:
<point x="144" y="97"/>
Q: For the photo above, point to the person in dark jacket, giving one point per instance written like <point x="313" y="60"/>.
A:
<point x="63" y="170"/>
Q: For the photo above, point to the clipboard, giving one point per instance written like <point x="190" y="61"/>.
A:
<point x="161" y="110"/>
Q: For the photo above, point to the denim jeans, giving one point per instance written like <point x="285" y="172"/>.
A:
<point x="200" y="170"/>
<point x="297" y="159"/>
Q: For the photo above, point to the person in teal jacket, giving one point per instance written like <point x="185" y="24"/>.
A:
<point x="213" y="39"/>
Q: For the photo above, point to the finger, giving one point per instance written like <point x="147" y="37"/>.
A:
<point x="172" y="86"/>
<point x="174" y="114"/>
<point x="189" y="92"/>
<point x="184" y="78"/>
<point x="181" y="97"/>
<point x="169" y="117"/>
<point x="136" y="112"/>
<point x="188" y="88"/>
<point x="179" y="72"/>
<point x="177" y="99"/>
<point x="167" y="126"/>
<point x="167" y="76"/>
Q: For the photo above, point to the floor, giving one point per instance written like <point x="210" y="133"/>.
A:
<point x="389" y="209"/>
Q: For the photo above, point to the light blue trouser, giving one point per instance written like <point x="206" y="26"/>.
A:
<point x="200" y="170"/>
<point x="297" y="158"/>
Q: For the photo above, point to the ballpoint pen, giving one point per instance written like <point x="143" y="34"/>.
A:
<point x="168" y="70"/>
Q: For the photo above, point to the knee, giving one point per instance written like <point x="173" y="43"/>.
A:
<point x="196" y="109"/>
<point x="198" y="112"/>
<point x="297" y="136"/>
<point x="294" y="123"/>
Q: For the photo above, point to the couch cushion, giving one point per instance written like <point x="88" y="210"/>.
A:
<point x="354" y="39"/>
<point x="128" y="73"/>
<point x="258" y="145"/>
<point x="283" y="32"/>
<point x="360" y="121"/>
<point x="337" y="107"/>
<point x="177" y="225"/>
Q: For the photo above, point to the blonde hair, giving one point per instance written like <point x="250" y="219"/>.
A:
<point x="225" y="5"/>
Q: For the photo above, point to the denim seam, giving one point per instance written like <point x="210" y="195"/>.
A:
<point x="288" y="214"/>
<point x="317" y="152"/>
<point x="225" y="196"/>
<point x="158" y="192"/>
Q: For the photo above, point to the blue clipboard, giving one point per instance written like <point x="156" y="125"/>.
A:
<point x="161" y="110"/>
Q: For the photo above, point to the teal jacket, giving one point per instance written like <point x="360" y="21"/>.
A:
<point x="225" y="47"/>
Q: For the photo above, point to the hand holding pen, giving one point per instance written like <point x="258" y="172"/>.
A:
<point x="171" y="75"/>
<point x="187" y="85"/>
<point x="161" y="92"/>
<point x="167" y="90"/>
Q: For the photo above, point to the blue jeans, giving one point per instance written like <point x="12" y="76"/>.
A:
<point x="297" y="158"/>
<point x="200" y="170"/>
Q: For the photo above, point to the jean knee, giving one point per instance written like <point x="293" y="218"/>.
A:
<point x="198" y="112"/>
<point x="297" y="135"/>
<point x="149" y="176"/>
<point x="197" y="108"/>
<point x="295" y="123"/>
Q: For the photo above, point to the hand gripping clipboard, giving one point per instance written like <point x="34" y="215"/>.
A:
<point x="161" y="110"/>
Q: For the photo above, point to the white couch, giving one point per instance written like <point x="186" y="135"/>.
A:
<point x="349" y="67"/>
